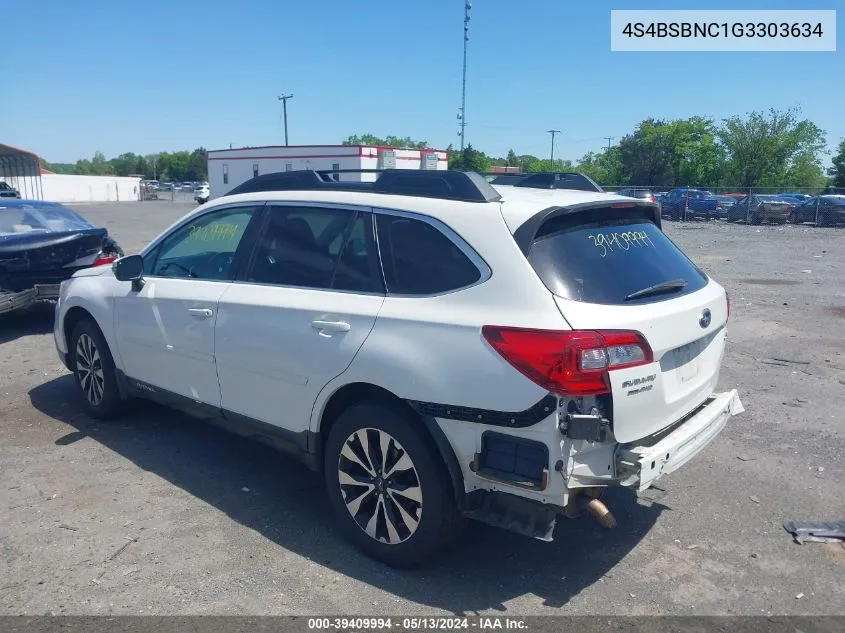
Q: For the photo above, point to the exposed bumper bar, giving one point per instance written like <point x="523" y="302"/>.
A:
<point x="11" y="301"/>
<point x="642" y="463"/>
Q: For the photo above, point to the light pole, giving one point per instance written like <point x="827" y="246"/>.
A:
<point x="462" y="121"/>
<point x="284" y="100"/>
<point x="552" y="159"/>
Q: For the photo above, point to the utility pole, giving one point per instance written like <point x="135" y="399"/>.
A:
<point x="552" y="158"/>
<point x="284" y="100"/>
<point x="608" y="139"/>
<point x="462" y="121"/>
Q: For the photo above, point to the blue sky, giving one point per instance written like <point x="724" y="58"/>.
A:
<point x="113" y="76"/>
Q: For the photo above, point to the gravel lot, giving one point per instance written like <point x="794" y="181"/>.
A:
<point x="161" y="514"/>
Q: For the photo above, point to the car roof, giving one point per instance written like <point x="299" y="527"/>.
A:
<point x="517" y="205"/>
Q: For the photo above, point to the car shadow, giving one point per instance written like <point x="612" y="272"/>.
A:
<point x="487" y="568"/>
<point x="37" y="319"/>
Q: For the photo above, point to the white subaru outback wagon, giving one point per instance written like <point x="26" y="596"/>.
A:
<point x="437" y="347"/>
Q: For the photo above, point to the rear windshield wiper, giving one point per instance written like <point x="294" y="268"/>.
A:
<point x="665" y="286"/>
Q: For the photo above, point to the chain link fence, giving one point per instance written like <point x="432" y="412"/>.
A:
<point x="820" y="206"/>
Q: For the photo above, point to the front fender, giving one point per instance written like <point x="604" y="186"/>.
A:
<point x="94" y="295"/>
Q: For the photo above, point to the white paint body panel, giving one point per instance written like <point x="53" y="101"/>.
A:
<point x="272" y="361"/>
<point x="651" y="462"/>
<point x="165" y="339"/>
<point x="687" y="357"/>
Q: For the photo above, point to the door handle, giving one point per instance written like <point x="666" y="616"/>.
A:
<point x="331" y="326"/>
<point x="201" y="312"/>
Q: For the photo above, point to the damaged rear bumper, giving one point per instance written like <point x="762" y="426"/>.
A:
<point x="11" y="301"/>
<point x="643" y="462"/>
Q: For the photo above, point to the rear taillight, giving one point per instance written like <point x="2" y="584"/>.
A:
<point x="652" y="199"/>
<point x="569" y="363"/>
<point x="102" y="260"/>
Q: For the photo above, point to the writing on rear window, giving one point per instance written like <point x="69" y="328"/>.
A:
<point x="610" y="242"/>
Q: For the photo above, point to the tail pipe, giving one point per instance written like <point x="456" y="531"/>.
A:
<point x="587" y="500"/>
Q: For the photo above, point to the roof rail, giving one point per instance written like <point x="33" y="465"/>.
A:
<point x="444" y="185"/>
<point x="558" y="180"/>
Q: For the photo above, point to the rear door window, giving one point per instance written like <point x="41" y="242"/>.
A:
<point x="318" y="248"/>
<point x="605" y="260"/>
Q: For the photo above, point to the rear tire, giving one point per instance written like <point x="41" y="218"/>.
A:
<point x="94" y="371"/>
<point x="388" y="486"/>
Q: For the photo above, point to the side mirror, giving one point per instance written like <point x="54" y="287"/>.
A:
<point x="129" y="268"/>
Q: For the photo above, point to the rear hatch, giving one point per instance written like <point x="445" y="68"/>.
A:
<point x="614" y="269"/>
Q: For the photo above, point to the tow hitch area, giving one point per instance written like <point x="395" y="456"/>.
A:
<point x="643" y="462"/>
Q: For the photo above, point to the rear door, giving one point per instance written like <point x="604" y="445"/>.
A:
<point x="599" y="265"/>
<point x="299" y="314"/>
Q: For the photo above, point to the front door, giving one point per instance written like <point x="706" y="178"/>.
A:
<point x="299" y="313"/>
<point x="165" y="330"/>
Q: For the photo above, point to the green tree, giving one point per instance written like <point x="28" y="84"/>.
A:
<point x="804" y="172"/>
<point x="99" y="165"/>
<point x="197" y="165"/>
<point x="646" y="155"/>
<point x="405" y="142"/>
<point x="142" y="167"/>
<point x="512" y="159"/>
<point x="124" y="164"/>
<point x="470" y="160"/>
<point x="762" y="147"/>
<point x="837" y="172"/>
<point x="603" y="167"/>
<point x="524" y="160"/>
<point x="547" y="165"/>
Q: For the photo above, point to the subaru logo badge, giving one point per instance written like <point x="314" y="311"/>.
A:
<point x="704" y="321"/>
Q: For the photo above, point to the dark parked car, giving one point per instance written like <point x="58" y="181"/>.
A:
<point x="7" y="191"/>
<point x="756" y="209"/>
<point x="690" y="203"/>
<point x="723" y="204"/>
<point x="637" y="192"/>
<point x="799" y="197"/>
<point x="822" y="211"/>
<point x="41" y="245"/>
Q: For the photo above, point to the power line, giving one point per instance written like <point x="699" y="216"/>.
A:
<point x="284" y="100"/>
<point x="553" y="132"/>
<point x="462" y="114"/>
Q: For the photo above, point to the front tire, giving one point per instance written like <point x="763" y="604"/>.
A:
<point x="388" y="486"/>
<point x="94" y="371"/>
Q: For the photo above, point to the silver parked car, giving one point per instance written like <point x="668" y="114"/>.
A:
<point x="756" y="209"/>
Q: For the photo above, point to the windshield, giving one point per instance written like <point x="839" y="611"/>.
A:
<point x="45" y="218"/>
<point x="606" y="262"/>
<point x="771" y="199"/>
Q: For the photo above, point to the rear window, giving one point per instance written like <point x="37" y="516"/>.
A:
<point x="43" y="218"/>
<point x="608" y="259"/>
